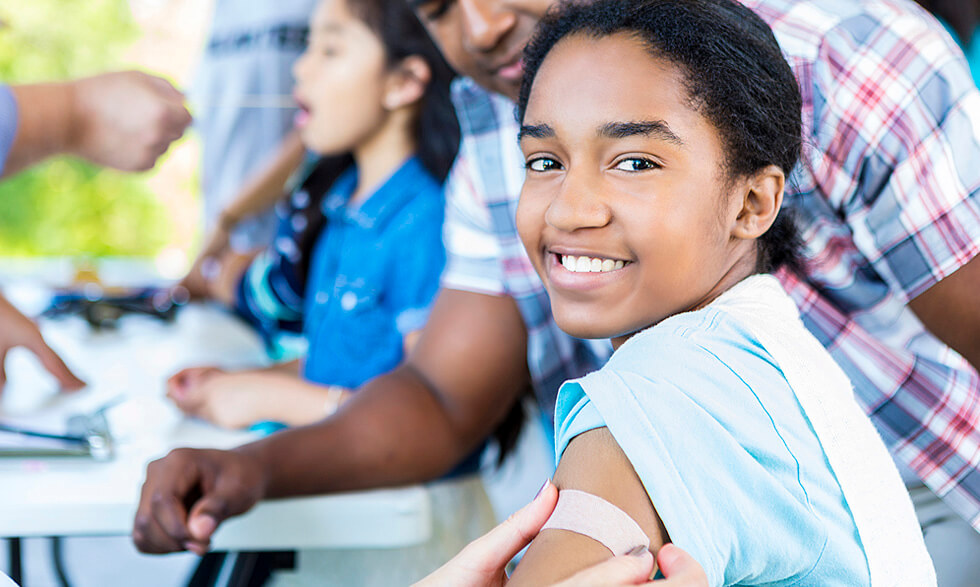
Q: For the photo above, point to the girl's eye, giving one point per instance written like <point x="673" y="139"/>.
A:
<point x="542" y="164"/>
<point x="636" y="164"/>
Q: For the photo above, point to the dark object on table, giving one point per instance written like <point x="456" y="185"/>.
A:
<point x="103" y="310"/>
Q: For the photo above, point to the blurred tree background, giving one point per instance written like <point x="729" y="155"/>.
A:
<point x="67" y="207"/>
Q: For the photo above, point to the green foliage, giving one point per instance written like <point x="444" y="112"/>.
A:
<point x="66" y="206"/>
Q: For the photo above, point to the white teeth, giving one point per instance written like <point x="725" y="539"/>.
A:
<point x="589" y="264"/>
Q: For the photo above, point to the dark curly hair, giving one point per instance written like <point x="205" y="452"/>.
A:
<point x="734" y="73"/>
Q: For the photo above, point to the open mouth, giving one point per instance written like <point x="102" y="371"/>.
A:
<point x="512" y="72"/>
<point x="584" y="264"/>
<point x="302" y="114"/>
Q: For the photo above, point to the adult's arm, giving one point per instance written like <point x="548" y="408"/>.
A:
<point x="124" y="120"/>
<point x="407" y="426"/>
<point x="949" y="309"/>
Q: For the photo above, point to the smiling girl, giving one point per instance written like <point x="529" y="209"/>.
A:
<point x="658" y="136"/>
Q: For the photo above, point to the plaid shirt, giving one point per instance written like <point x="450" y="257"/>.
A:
<point x="888" y="196"/>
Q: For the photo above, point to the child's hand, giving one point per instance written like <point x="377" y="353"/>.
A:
<point x="183" y="388"/>
<point x="186" y="380"/>
<point x="229" y="400"/>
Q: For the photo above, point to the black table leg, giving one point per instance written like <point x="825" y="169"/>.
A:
<point x="16" y="568"/>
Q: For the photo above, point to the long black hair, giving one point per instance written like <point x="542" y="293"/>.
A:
<point x="734" y="73"/>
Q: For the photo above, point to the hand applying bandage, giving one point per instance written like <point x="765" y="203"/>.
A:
<point x="482" y="562"/>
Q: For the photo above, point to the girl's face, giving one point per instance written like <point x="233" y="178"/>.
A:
<point x="627" y="212"/>
<point x="340" y="81"/>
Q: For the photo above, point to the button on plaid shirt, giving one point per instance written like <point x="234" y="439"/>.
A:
<point x="888" y="198"/>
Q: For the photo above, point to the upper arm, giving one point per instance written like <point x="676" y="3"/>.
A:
<point x="594" y="463"/>
<point x="472" y="354"/>
<point x="950" y="311"/>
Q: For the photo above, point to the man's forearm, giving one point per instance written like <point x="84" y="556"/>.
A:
<point x="43" y="129"/>
<point x="381" y="437"/>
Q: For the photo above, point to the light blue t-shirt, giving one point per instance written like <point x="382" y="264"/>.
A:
<point x="726" y="453"/>
<point x="8" y="123"/>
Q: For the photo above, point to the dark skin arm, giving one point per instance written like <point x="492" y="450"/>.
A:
<point x="408" y="426"/>
<point x="594" y="463"/>
<point x="950" y="311"/>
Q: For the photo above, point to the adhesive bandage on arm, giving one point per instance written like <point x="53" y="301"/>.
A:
<point x="592" y="516"/>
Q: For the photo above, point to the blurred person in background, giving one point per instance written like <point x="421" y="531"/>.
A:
<point x="244" y="113"/>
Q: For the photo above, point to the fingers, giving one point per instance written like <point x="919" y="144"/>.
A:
<point x="55" y="365"/>
<point x="126" y="120"/>
<point x="160" y="523"/>
<point x="204" y="519"/>
<point x="177" y="117"/>
<point x="231" y="484"/>
<point x="629" y="569"/>
<point x="679" y="568"/>
<point x="165" y="87"/>
<point x="495" y="549"/>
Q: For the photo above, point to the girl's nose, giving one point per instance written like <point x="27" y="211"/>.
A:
<point x="577" y="205"/>
<point x="485" y="23"/>
<point x="298" y="66"/>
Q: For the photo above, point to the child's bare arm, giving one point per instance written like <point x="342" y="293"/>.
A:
<point x="593" y="463"/>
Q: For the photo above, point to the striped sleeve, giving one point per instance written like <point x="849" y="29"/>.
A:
<point x="8" y="123"/>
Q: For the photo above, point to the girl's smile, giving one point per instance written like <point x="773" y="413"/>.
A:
<point x="574" y="269"/>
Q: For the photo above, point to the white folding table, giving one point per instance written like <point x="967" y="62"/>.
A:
<point x="79" y="496"/>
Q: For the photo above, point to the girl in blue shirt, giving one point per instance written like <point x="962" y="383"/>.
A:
<point x="357" y="258"/>
<point x="658" y="136"/>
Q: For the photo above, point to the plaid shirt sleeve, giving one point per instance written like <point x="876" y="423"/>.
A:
<point x="8" y="123"/>
<point x="472" y="249"/>
<point x="897" y="121"/>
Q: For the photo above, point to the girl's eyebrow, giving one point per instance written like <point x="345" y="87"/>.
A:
<point x="535" y="131"/>
<point x="652" y="128"/>
<point x="614" y="130"/>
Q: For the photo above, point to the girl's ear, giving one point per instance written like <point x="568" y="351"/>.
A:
<point x="407" y="83"/>
<point x="763" y="195"/>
